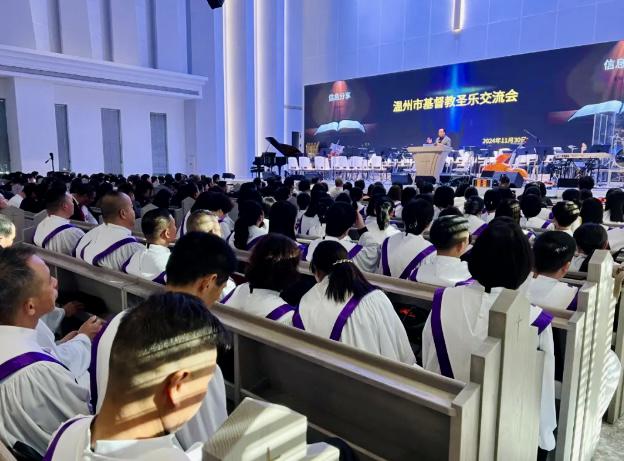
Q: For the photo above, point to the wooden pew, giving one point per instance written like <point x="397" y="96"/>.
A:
<point x="415" y="414"/>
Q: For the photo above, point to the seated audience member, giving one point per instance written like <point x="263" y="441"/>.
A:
<point x="200" y="265"/>
<point x="407" y="195"/>
<point x="340" y="218"/>
<point x="337" y="189"/>
<point x="553" y="252"/>
<point x="309" y="219"/>
<point x="111" y="244"/>
<point x="614" y="206"/>
<point x="203" y="221"/>
<point x="572" y="195"/>
<point x="592" y="211"/>
<point x="450" y="237"/>
<point x="272" y="268"/>
<point x="565" y="215"/>
<point x="7" y="232"/>
<point x="344" y="307"/>
<point x="18" y="196"/>
<point x="303" y="202"/>
<point x="4" y="203"/>
<point x="55" y="232"/>
<point x="531" y="206"/>
<point x="492" y="199"/>
<point x="303" y="187"/>
<point x="320" y="220"/>
<point x="282" y="219"/>
<point x="159" y="229"/>
<point x="162" y="199"/>
<point x="395" y="193"/>
<point x="589" y="238"/>
<point x="402" y="253"/>
<point x="217" y="203"/>
<point x="451" y="211"/>
<point x="474" y="207"/>
<point x="83" y="196"/>
<point x="249" y="227"/>
<point x="37" y="390"/>
<point x="377" y="232"/>
<point x="585" y="194"/>
<point x="157" y="383"/>
<point x="586" y="183"/>
<point x="458" y="323"/>
<point x="443" y="197"/>
<point x="32" y="198"/>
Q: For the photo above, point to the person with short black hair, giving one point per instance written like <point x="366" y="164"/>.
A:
<point x="443" y="197"/>
<point x="249" y="226"/>
<point x="592" y="211"/>
<point x="272" y="268"/>
<point x="408" y="194"/>
<point x="492" y="199"/>
<point x="218" y="204"/>
<point x="303" y="202"/>
<point x="111" y="244"/>
<point x="55" y="232"/>
<point x="565" y="216"/>
<point x="282" y="219"/>
<point x="474" y="207"/>
<point x="614" y="206"/>
<point x="458" y="323"/>
<point x="450" y="237"/>
<point x="83" y="196"/>
<point x="589" y="238"/>
<point x="344" y="306"/>
<point x="553" y="252"/>
<point x="340" y="217"/>
<point x="586" y="182"/>
<point x="7" y="232"/>
<point x="161" y="375"/>
<point x="572" y="195"/>
<point x="402" y="253"/>
<point x="531" y="206"/>
<point x="159" y="229"/>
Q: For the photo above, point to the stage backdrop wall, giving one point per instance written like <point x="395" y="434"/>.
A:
<point x="497" y="102"/>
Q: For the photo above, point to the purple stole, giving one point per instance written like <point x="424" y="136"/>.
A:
<point x="385" y="267"/>
<point x="411" y="269"/>
<point x="479" y="230"/>
<point x="542" y="321"/>
<point x="344" y="315"/>
<point x="93" y="367"/>
<point x="251" y="244"/>
<point x="354" y="251"/>
<point x="54" y="233"/>
<point x="49" y="455"/>
<point x="23" y="360"/>
<point x="107" y="252"/>
<point x="438" y="335"/>
<point x="574" y="303"/>
<point x="546" y="224"/>
<point x="161" y="278"/>
<point x="298" y="225"/>
<point x="227" y="297"/>
<point x="465" y="282"/>
<point x="282" y="310"/>
<point x="303" y="248"/>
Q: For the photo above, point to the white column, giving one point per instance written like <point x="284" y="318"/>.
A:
<point x="293" y="68"/>
<point x="16" y="24"/>
<point x="124" y="34"/>
<point x="74" y="27"/>
<point x="170" y="32"/>
<point x="239" y="86"/>
<point x="269" y="67"/>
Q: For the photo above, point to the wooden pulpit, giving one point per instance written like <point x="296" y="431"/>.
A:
<point x="429" y="160"/>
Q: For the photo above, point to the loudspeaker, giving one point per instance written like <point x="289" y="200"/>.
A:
<point x="487" y="174"/>
<point x="515" y="179"/>
<point x="294" y="139"/>
<point x="310" y="176"/>
<point x="216" y="3"/>
<point x="568" y="183"/>
<point x="429" y="179"/>
<point x="403" y="179"/>
<point x="296" y="177"/>
<point x="228" y="176"/>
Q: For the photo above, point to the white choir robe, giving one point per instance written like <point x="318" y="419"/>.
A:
<point x="463" y="317"/>
<point x="107" y="245"/>
<point x="545" y="214"/>
<point x="255" y="233"/>
<point x="230" y="286"/>
<point x="374" y="325"/>
<point x="182" y="229"/>
<point x="298" y="221"/>
<point x="569" y="230"/>
<point x="490" y="216"/>
<point x="365" y="258"/>
<point x="376" y="236"/>
<point x="443" y="271"/>
<point x="201" y="427"/>
<point x="57" y="234"/>
<point x="616" y="239"/>
<point x="402" y="253"/>
<point x="261" y="302"/>
<point x="37" y="398"/>
<point x="577" y="262"/>
<point x="16" y="201"/>
<point x="308" y="223"/>
<point x="227" y="226"/>
<point x="72" y="442"/>
<point x="550" y="293"/>
<point x="474" y="223"/>
<point x="318" y="230"/>
<point x="535" y="222"/>
<point x="149" y="263"/>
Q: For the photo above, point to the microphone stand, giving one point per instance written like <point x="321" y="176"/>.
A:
<point x="51" y="159"/>
<point x="540" y="158"/>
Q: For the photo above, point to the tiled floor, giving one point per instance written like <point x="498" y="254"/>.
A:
<point x="611" y="445"/>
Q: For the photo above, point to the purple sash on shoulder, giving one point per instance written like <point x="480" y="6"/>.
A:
<point x="354" y="251"/>
<point x="542" y="321"/>
<point x="479" y="230"/>
<point x="251" y="244"/>
<point x="385" y="267"/>
<point x="227" y="297"/>
<point x="82" y="252"/>
<point x="344" y="315"/>
<point x="280" y="311"/>
<point x="410" y="270"/>
<point x="54" y="233"/>
<point x="303" y="248"/>
<point x="49" y="455"/>
<point x="124" y="266"/>
<point x="111" y="249"/>
<point x="465" y="282"/>
<point x="297" y="322"/>
<point x="574" y="303"/>
<point x="161" y="278"/>
<point x="298" y="225"/>
<point x="93" y="366"/>
<point x="438" y="335"/>
<point x="546" y="224"/>
<point x="22" y="361"/>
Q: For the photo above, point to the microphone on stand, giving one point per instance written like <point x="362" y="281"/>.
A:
<point x="51" y="159"/>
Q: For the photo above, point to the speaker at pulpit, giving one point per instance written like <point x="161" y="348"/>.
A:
<point x="429" y="160"/>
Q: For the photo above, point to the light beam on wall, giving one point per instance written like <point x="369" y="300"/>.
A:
<point x="458" y="15"/>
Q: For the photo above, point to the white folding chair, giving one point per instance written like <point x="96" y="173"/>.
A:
<point x="293" y="164"/>
<point x="304" y="163"/>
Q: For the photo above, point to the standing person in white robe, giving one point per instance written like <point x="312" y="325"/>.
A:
<point x="200" y="265"/>
<point x="111" y="244"/>
<point x="157" y="383"/>
<point x="249" y="227"/>
<point x="474" y="208"/>
<point x="449" y="235"/>
<point x="531" y="205"/>
<point x="272" y="268"/>
<point x="565" y="215"/>
<point x="340" y="218"/>
<point x="380" y="229"/>
<point x="55" y="232"/>
<point x="344" y="307"/>
<point x="37" y="391"/>
<point x="553" y="252"/>
<point x="402" y="253"/>
<point x="7" y="232"/>
<point x="159" y="229"/>
<point x="458" y="322"/>
<point x="589" y="238"/>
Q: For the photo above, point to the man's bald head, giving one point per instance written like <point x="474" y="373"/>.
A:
<point x="117" y="209"/>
